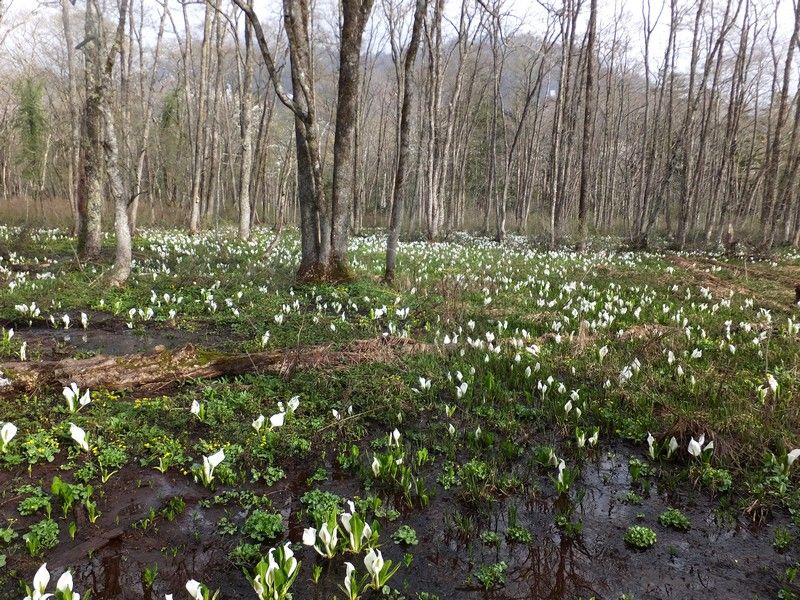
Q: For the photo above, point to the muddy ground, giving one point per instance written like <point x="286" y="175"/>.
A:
<point x="107" y="335"/>
<point x="716" y="558"/>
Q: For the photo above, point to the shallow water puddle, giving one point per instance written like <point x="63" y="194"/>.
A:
<point x="711" y="560"/>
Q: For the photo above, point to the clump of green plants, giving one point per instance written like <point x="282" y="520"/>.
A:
<point x="69" y="493"/>
<point x="632" y="497"/>
<point x="174" y="507"/>
<point x="39" y="446"/>
<point x="111" y="458"/>
<point x="716" y="480"/>
<point x="41" y="536"/>
<point x="37" y="500"/>
<point x="789" y="575"/>
<point x="639" y="470"/>
<point x="490" y="538"/>
<point x="492" y="576"/>
<point x="149" y="576"/>
<point x="320" y="503"/>
<point x="398" y="472"/>
<point x="226" y="526"/>
<point x="640" y="537"/>
<point x="7" y="534"/>
<point x="263" y="526"/>
<point x="349" y="458"/>
<point x="519" y="535"/>
<point x="448" y="478"/>
<point x="270" y="475"/>
<point x="782" y="538"/>
<point x="245" y="555"/>
<point x="475" y="478"/>
<point x="244" y="498"/>
<point x="166" y="451"/>
<point x="674" y="518"/>
<point x="405" y="535"/>
<point x="571" y="529"/>
<point x="317" y="476"/>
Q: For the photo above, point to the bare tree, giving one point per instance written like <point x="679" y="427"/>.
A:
<point x="74" y="113"/>
<point x="404" y="143"/>
<point x="354" y="20"/>
<point x="246" y="126"/>
<point x="588" y="128"/>
<point x="324" y="225"/>
<point x="558" y="171"/>
<point x="200" y="155"/>
<point x="147" y="88"/>
<point x="122" y="259"/>
<point x="90" y="196"/>
<point x="771" y="211"/>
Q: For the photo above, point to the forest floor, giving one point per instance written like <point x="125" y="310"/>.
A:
<point x="502" y="417"/>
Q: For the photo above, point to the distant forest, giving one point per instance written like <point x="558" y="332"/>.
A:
<point x="678" y="119"/>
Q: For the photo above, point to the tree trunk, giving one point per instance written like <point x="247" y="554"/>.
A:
<point x="354" y="19"/>
<point x="246" y="122"/>
<point x="588" y="130"/>
<point x="133" y="207"/>
<point x="400" y="174"/>
<point x="200" y="151"/>
<point x="90" y="196"/>
<point x="122" y="260"/>
<point x="75" y="129"/>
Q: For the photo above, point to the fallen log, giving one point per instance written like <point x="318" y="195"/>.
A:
<point x="157" y="371"/>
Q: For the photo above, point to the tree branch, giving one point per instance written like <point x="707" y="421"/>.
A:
<point x="283" y="95"/>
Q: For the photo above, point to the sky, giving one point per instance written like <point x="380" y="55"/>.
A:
<point x="32" y="16"/>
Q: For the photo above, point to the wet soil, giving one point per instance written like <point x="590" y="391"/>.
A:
<point x="60" y="343"/>
<point x="715" y="559"/>
<point x="108" y="335"/>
